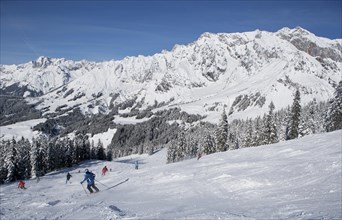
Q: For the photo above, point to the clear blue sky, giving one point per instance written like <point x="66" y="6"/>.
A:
<point x="105" y="30"/>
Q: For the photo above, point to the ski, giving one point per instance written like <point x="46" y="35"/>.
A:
<point x="108" y="188"/>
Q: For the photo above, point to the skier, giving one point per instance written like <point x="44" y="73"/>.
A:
<point x="68" y="178"/>
<point x="90" y="177"/>
<point x="21" y="185"/>
<point x="104" y="170"/>
<point x="136" y="164"/>
<point x="199" y="155"/>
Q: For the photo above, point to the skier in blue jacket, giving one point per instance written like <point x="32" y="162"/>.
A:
<point x="90" y="177"/>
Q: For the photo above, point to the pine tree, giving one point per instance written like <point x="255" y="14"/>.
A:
<point x="233" y="141"/>
<point x="69" y="152"/>
<point x="270" y="132"/>
<point x="50" y="156"/>
<point x="333" y="120"/>
<point x="59" y="149"/>
<point x="86" y="148"/>
<point x="248" y="139"/>
<point x="222" y="133"/>
<point x="181" y="147"/>
<point x="109" y="155"/>
<point x="295" y="117"/>
<point x="308" y="119"/>
<point x="93" y="150"/>
<point x="78" y="150"/>
<point x="3" y="170"/>
<point x="257" y="136"/>
<point x="24" y="162"/>
<point x="208" y="145"/>
<point x="100" y="154"/>
<point x="11" y="161"/>
<point x="38" y="157"/>
<point x="191" y="148"/>
<point x="171" y="152"/>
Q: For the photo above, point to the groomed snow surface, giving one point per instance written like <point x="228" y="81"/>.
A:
<point x="299" y="179"/>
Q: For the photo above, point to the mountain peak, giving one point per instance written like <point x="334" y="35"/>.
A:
<point x="42" y="61"/>
<point x="216" y="66"/>
<point x="294" y="31"/>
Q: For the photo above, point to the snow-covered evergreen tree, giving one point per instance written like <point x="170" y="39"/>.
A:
<point x="109" y="154"/>
<point x="100" y="154"/>
<point x="69" y="152"/>
<point x="333" y="120"/>
<point x="259" y="127"/>
<point x="37" y="158"/>
<point x="171" y="152"/>
<point x="191" y="148"/>
<point x="24" y="162"/>
<point x="50" y="156"/>
<point x="59" y="149"/>
<point x="208" y="146"/>
<point x="248" y="140"/>
<point x="86" y="148"/>
<point x="3" y="170"/>
<point x="93" y="150"/>
<point x="270" y="134"/>
<point x="222" y="133"/>
<point x="181" y="147"/>
<point x="11" y="161"/>
<point x="233" y="141"/>
<point x="295" y="117"/>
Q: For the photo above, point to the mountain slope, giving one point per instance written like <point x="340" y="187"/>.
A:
<point x="299" y="179"/>
<point x="242" y="71"/>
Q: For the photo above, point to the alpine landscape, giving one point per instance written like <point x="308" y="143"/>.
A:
<point x="234" y="125"/>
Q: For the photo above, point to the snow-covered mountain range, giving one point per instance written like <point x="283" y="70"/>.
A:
<point x="243" y="72"/>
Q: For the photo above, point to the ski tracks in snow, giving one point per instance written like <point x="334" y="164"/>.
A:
<point x="96" y="210"/>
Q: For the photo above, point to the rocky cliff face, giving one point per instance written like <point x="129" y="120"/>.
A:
<point x="239" y="71"/>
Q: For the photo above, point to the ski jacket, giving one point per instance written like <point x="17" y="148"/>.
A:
<point x="90" y="177"/>
<point x="68" y="176"/>
<point x="21" y="184"/>
<point x="104" y="169"/>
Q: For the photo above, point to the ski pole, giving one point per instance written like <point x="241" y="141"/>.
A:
<point x="101" y="183"/>
<point x="84" y="189"/>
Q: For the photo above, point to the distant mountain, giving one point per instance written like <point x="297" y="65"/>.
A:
<point x="242" y="72"/>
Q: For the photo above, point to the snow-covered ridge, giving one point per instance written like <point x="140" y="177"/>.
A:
<point x="210" y="73"/>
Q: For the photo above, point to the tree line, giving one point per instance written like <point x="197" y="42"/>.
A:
<point x="24" y="159"/>
<point x="289" y="123"/>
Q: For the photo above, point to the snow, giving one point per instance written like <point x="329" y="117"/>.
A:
<point x="240" y="63"/>
<point x="20" y="129"/>
<point x="129" y="120"/>
<point x="298" y="179"/>
<point x="106" y="137"/>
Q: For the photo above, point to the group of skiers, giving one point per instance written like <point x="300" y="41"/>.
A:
<point x="88" y="176"/>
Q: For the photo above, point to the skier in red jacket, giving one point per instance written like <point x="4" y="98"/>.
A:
<point x="104" y="170"/>
<point x="21" y="185"/>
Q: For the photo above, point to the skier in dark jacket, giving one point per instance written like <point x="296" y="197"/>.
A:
<point x="68" y="178"/>
<point x="90" y="177"/>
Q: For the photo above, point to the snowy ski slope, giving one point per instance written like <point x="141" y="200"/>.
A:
<point x="299" y="179"/>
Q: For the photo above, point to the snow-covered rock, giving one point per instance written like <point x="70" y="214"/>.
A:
<point x="243" y="72"/>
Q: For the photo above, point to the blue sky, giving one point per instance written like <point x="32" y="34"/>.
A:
<point x="105" y="30"/>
